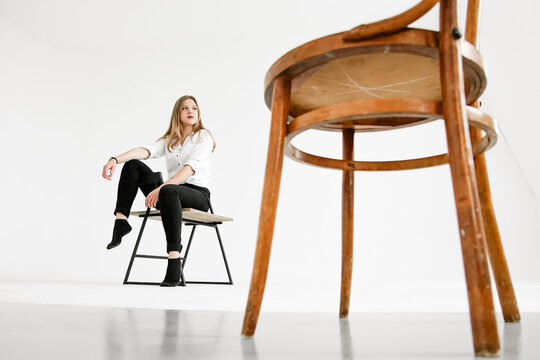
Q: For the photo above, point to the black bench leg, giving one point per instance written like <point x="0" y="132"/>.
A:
<point x="230" y="282"/>
<point x="184" y="258"/>
<point x="224" y="256"/>
<point x="182" y="279"/>
<point x="136" y="246"/>
<point x="188" y="246"/>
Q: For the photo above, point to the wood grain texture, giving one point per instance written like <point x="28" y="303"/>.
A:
<point x="472" y="22"/>
<point x="347" y="224"/>
<point x="497" y="258"/>
<point x="187" y="214"/>
<point x="303" y="62"/>
<point x="390" y="25"/>
<point x="385" y="75"/>
<point x="272" y="179"/>
<point x="484" y="326"/>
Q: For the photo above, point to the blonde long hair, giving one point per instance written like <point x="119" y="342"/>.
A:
<point x="173" y="133"/>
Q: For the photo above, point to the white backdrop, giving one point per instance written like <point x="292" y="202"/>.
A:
<point x="82" y="81"/>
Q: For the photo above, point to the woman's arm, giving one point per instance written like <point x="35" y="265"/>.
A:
<point x="133" y="154"/>
<point x="180" y="177"/>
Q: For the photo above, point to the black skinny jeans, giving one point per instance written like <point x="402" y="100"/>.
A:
<point x="171" y="199"/>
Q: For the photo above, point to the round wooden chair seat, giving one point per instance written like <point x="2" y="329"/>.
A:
<point x="381" y="83"/>
<point x="330" y="70"/>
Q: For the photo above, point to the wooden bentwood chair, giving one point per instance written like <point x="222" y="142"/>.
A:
<point x="384" y="76"/>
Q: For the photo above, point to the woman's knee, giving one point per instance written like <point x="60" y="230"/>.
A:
<point x="131" y="164"/>
<point x="133" y="168"/>
<point x="168" y="196"/>
<point x="168" y="191"/>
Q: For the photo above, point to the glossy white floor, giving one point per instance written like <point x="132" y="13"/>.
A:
<point x="36" y="331"/>
<point x="47" y="320"/>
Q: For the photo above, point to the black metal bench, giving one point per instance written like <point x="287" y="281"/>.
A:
<point x="190" y="217"/>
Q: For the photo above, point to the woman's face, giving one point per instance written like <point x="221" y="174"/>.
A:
<point x="189" y="114"/>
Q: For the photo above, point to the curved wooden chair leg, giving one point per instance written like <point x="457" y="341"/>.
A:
<point x="505" y="290"/>
<point x="272" y="179"/>
<point x="484" y="326"/>
<point x="497" y="259"/>
<point x="347" y="225"/>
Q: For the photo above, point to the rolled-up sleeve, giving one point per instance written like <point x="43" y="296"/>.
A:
<point x="201" y="151"/>
<point x="157" y="149"/>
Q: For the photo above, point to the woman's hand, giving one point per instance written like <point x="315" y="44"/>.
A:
<point x="108" y="169"/>
<point x="152" y="198"/>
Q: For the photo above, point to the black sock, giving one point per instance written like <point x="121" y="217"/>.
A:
<point x="121" y="228"/>
<point x="172" y="276"/>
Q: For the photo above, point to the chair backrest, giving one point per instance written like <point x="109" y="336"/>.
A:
<point x="401" y="21"/>
<point x="390" y="25"/>
<point x="472" y="25"/>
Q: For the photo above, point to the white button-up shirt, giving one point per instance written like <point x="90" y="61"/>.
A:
<point x="195" y="152"/>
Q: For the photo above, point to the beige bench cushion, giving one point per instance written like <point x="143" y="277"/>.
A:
<point x="187" y="214"/>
